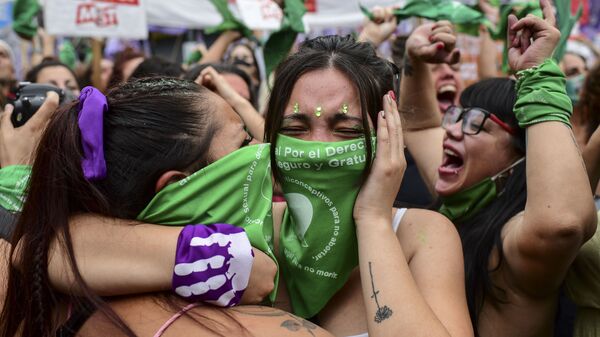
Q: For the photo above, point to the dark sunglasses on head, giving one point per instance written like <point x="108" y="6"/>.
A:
<point x="472" y="119"/>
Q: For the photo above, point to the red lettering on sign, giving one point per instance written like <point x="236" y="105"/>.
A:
<point x="101" y="16"/>
<point x="269" y="10"/>
<point x="121" y="2"/>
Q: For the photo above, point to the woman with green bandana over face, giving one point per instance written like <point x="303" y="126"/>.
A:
<point x="319" y="123"/>
<point x="425" y="269"/>
<point x="509" y="175"/>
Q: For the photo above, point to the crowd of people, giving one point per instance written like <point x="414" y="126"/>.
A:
<point x="344" y="195"/>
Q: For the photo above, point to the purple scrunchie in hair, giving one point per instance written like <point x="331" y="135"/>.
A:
<point x="92" y="106"/>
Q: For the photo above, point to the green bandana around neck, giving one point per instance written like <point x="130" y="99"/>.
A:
<point x="236" y="189"/>
<point x="463" y="205"/>
<point x="320" y="181"/>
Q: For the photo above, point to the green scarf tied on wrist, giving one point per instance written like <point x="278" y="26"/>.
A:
<point x="542" y="95"/>
<point x="318" y="244"/>
<point x="236" y="189"/>
<point x="463" y="205"/>
<point x="14" y="181"/>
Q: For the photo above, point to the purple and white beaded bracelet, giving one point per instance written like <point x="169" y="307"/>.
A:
<point x="212" y="264"/>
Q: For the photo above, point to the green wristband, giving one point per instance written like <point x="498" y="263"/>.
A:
<point x="13" y="185"/>
<point x="542" y="95"/>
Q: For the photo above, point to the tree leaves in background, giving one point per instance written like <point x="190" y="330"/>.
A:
<point x="281" y="42"/>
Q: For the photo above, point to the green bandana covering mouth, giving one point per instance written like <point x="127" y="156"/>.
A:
<point x="463" y="205"/>
<point x="236" y="189"/>
<point x="320" y="181"/>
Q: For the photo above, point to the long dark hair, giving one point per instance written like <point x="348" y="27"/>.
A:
<point x="482" y="233"/>
<point x="372" y="76"/>
<point x="162" y="121"/>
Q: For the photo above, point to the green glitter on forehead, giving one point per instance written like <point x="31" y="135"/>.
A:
<point x="318" y="111"/>
<point x="344" y="109"/>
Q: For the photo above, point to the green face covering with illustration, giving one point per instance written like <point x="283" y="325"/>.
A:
<point x="236" y="189"/>
<point x="319" y="249"/>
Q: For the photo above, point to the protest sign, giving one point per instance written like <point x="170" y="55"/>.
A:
<point x="260" y="14"/>
<point x="96" y="18"/>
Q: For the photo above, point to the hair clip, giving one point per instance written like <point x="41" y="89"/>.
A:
<point x="344" y="108"/>
<point x="318" y="111"/>
<point x="296" y="108"/>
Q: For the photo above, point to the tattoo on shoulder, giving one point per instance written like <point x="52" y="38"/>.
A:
<point x="291" y="322"/>
<point x="384" y="312"/>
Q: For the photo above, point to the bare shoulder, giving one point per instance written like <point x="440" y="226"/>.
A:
<point x="267" y="321"/>
<point x="422" y="228"/>
<point x="145" y="315"/>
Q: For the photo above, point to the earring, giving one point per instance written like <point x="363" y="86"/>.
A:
<point x="296" y="108"/>
<point x="318" y="111"/>
<point x="344" y="108"/>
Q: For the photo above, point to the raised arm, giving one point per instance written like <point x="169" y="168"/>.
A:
<point x="255" y="123"/>
<point x="396" y="302"/>
<point x="559" y="216"/>
<point x="430" y="43"/>
<point x="217" y="50"/>
<point x="591" y="157"/>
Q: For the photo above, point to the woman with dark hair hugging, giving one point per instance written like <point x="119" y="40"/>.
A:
<point x="171" y="152"/>
<point x="327" y="110"/>
<point x="510" y="177"/>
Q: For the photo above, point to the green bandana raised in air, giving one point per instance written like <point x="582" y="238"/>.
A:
<point x="318" y="242"/>
<point x="467" y="18"/>
<point x="463" y="205"/>
<point x="236" y="189"/>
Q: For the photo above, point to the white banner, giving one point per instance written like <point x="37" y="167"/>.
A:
<point x="96" y="18"/>
<point x="202" y="14"/>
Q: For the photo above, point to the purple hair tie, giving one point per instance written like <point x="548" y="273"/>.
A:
<point x="92" y="106"/>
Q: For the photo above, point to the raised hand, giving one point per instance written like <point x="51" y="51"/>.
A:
<point x="433" y="43"/>
<point x="377" y="194"/>
<point x="17" y="145"/>
<point x="382" y="26"/>
<point x="532" y="39"/>
<point x="211" y="79"/>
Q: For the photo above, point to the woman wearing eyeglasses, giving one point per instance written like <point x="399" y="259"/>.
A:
<point x="508" y="173"/>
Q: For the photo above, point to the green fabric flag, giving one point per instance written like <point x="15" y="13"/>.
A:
<point x="13" y="186"/>
<point x="67" y="54"/>
<point x="281" y="42"/>
<point x="464" y="17"/>
<point x="236" y="189"/>
<point x="566" y="22"/>
<point x="230" y="22"/>
<point x="25" y="18"/>
<point x="319" y="249"/>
